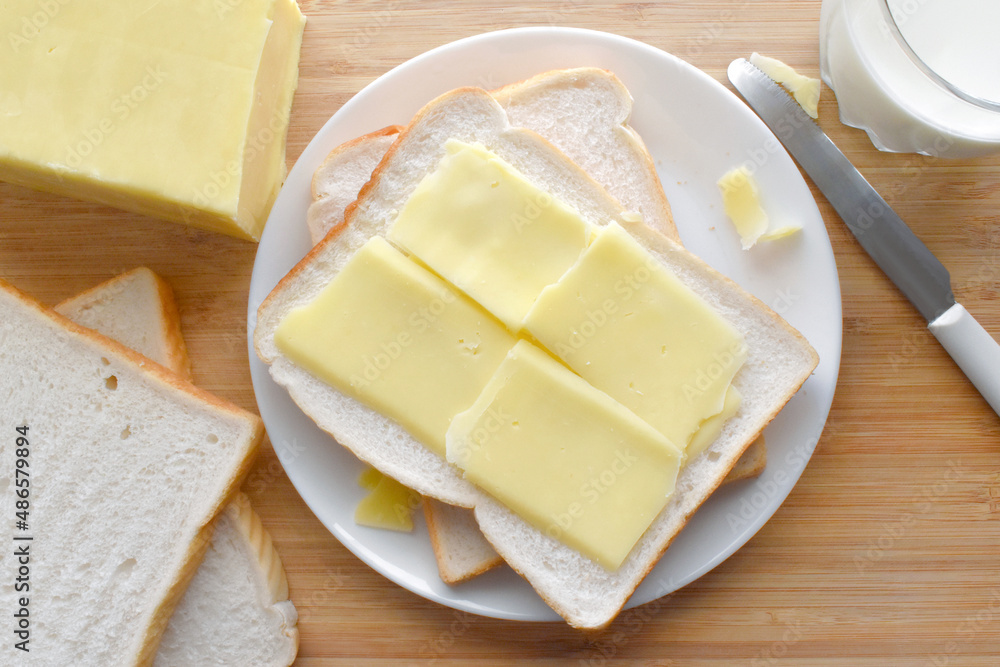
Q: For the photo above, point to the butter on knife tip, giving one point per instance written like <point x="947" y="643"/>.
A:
<point x="804" y="89"/>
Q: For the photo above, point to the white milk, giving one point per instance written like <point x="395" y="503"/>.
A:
<point x="930" y="85"/>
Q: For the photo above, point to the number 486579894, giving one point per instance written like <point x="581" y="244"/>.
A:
<point x="22" y="479"/>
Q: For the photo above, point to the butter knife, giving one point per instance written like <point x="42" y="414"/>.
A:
<point x="882" y="233"/>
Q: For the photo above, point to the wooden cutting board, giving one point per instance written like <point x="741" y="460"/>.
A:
<point x="886" y="552"/>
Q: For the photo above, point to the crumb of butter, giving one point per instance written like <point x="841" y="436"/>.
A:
<point x="741" y="201"/>
<point x="804" y="89"/>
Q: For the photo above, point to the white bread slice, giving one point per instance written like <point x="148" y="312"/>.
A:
<point x="335" y="185"/>
<point x="460" y="549"/>
<point x="584" y="112"/>
<point x="129" y="465"/>
<point x="136" y="308"/>
<point x="779" y="360"/>
<point x="236" y="609"/>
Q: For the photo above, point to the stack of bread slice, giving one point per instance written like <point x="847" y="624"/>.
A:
<point x="140" y="446"/>
<point x="236" y="609"/>
<point x="560" y="106"/>
<point x="779" y="359"/>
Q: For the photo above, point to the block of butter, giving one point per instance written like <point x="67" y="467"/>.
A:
<point x="174" y="109"/>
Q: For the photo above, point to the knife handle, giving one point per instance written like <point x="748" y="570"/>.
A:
<point x="972" y="348"/>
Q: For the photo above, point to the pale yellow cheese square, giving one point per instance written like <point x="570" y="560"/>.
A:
<point x="392" y="334"/>
<point x="564" y="456"/>
<point x="389" y="505"/>
<point x="485" y="228"/>
<point x="632" y="329"/>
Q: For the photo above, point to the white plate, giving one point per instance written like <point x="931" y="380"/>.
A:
<point x="696" y="130"/>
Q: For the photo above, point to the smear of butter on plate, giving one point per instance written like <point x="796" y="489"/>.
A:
<point x="741" y="201"/>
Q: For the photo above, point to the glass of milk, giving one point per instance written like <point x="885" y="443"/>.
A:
<point x="918" y="76"/>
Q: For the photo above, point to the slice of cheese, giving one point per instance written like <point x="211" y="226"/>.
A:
<point x="390" y="333"/>
<point x="632" y="329"/>
<point x="389" y="505"/>
<point x="173" y="109"/>
<point x="486" y="229"/>
<point x="564" y="456"/>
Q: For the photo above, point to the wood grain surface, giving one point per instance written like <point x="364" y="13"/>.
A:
<point x="887" y="551"/>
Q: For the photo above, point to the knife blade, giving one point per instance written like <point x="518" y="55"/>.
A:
<point x="881" y="232"/>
